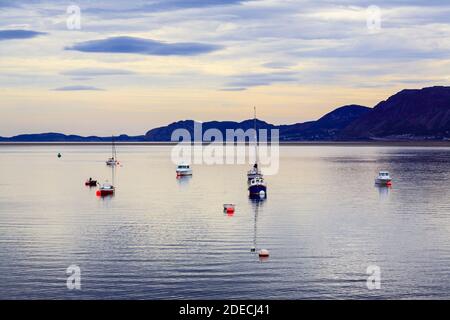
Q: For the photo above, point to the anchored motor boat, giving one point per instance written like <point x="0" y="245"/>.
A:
<point x="383" y="179"/>
<point x="184" y="170"/>
<point x="90" y="183"/>
<point x="105" y="189"/>
<point x="257" y="188"/>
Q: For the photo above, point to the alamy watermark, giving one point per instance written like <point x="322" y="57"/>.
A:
<point x="73" y="281"/>
<point x="373" y="19"/>
<point x="73" y="21"/>
<point x="237" y="147"/>
<point x="374" y="279"/>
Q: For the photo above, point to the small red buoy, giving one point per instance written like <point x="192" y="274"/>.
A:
<point x="263" y="253"/>
<point x="98" y="193"/>
<point x="229" y="208"/>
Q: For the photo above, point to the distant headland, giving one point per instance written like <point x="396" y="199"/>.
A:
<point x="411" y="115"/>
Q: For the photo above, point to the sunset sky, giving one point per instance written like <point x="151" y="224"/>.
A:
<point x="135" y="65"/>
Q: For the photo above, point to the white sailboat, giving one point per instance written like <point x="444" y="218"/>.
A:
<point x="113" y="160"/>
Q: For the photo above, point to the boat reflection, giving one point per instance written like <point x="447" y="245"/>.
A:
<point x="257" y="204"/>
<point x="383" y="191"/>
<point x="183" y="180"/>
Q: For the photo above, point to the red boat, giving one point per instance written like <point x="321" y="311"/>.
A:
<point x="91" y="183"/>
<point x="105" y="190"/>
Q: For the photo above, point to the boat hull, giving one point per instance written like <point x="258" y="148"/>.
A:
<point x="104" y="193"/>
<point x="383" y="182"/>
<point x="184" y="173"/>
<point x="257" y="190"/>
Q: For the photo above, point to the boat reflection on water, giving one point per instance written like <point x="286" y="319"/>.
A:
<point x="183" y="181"/>
<point x="257" y="204"/>
<point x="383" y="191"/>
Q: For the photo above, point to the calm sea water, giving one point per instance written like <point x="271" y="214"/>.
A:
<point x="324" y="222"/>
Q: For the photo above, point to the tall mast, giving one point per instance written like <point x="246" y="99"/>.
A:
<point x="113" y="149"/>
<point x="256" y="136"/>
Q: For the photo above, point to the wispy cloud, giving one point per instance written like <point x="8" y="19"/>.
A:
<point x="143" y="46"/>
<point x="18" y="34"/>
<point x="233" y="89"/>
<point x="278" y="65"/>
<point x="95" y="72"/>
<point x="78" y="88"/>
<point x="191" y="53"/>
<point x="262" y="79"/>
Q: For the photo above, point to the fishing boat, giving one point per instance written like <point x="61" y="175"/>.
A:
<point x="90" y="182"/>
<point x="113" y="160"/>
<point x="183" y="170"/>
<point x="383" y="179"/>
<point x="105" y="189"/>
<point x="257" y="188"/>
<point x="254" y="172"/>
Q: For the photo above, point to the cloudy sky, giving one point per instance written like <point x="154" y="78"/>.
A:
<point x="133" y="65"/>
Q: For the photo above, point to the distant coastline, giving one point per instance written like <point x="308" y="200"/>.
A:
<point x="410" y="117"/>
<point x="409" y="143"/>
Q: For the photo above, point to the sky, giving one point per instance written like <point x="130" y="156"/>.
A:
<point x="129" y="66"/>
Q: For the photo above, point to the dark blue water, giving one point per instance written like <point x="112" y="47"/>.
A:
<point x="324" y="222"/>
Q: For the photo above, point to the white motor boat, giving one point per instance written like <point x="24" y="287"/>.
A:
<point x="184" y="170"/>
<point x="383" y="179"/>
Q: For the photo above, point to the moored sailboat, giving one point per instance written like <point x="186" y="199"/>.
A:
<point x="254" y="172"/>
<point x="112" y="161"/>
<point x="257" y="187"/>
